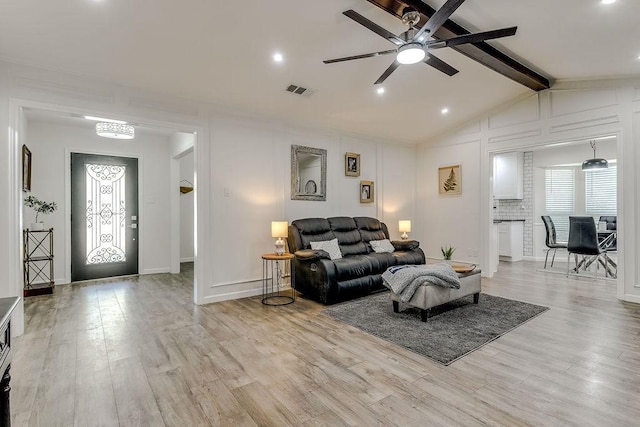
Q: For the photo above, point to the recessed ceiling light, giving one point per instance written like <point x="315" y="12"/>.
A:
<point x="445" y="110"/>
<point x="380" y="90"/>
<point x="278" y="57"/>
<point x="608" y="1"/>
<point x="102" y="119"/>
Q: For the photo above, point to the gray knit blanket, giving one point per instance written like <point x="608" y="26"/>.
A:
<point x="404" y="280"/>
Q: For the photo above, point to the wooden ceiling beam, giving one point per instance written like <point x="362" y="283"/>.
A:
<point x="482" y="52"/>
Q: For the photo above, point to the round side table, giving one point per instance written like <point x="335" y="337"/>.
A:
<point x="272" y="272"/>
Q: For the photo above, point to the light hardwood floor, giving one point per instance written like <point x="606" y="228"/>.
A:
<point x="138" y="352"/>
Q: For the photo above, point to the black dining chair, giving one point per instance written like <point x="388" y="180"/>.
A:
<point x="551" y="242"/>
<point x="583" y="240"/>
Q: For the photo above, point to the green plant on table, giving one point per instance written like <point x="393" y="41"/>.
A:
<point x="447" y="251"/>
<point x="40" y="206"/>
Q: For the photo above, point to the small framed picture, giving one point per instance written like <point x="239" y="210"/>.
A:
<point x="366" y="191"/>
<point x="352" y="164"/>
<point x="26" y="169"/>
<point x="450" y="180"/>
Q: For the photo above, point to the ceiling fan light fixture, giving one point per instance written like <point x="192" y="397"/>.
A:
<point x="410" y="53"/>
<point x="115" y="130"/>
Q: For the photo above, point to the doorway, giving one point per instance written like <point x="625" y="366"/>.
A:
<point x="554" y="185"/>
<point x="104" y="216"/>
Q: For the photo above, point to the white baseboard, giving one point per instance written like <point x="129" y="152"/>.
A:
<point x="233" y="290"/>
<point x="246" y="293"/>
<point x="631" y="298"/>
<point x="155" y="270"/>
<point x="187" y="259"/>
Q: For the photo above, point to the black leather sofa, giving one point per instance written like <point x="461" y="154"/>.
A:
<point x="360" y="270"/>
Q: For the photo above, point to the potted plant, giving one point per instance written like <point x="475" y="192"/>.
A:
<point x="41" y="207"/>
<point x="447" y="252"/>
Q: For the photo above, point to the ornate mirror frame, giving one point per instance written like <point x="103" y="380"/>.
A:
<point x="301" y="157"/>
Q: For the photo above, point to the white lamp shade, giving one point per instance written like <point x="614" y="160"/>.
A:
<point x="279" y="228"/>
<point x="404" y="226"/>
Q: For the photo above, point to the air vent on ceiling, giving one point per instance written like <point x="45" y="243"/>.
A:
<point x="299" y="90"/>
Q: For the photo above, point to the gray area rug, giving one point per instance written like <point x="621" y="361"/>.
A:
<point x="452" y="331"/>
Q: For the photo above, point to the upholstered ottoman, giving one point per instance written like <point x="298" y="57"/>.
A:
<point x="429" y="296"/>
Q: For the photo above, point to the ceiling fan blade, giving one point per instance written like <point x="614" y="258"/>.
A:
<point x="471" y="38"/>
<point x="373" y="27"/>
<point x="437" y="19"/>
<point x="366" y="55"/>
<point x="439" y="65"/>
<point x="387" y="72"/>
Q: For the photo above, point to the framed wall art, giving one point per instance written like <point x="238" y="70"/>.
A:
<point x="352" y="164"/>
<point x="366" y="191"/>
<point x="26" y="169"/>
<point x="450" y="180"/>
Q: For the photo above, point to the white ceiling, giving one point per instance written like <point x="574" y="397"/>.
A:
<point x="220" y="52"/>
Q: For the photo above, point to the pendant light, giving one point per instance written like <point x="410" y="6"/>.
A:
<point x="594" y="163"/>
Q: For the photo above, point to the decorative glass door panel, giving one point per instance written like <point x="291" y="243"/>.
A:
<point x="104" y="204"/>
<point x="106" y="213"/>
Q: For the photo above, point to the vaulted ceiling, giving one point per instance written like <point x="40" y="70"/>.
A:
<point x="221" y="52"/>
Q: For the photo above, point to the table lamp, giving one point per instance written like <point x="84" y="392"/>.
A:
<point x="280" y="230"/>
<point x="404" y="226"/>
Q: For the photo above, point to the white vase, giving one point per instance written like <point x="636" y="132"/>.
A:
<point x="37" y="226"/>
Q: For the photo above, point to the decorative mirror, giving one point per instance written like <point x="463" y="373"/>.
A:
<point x="308" y="173"/>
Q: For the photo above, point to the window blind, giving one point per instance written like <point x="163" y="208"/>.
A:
<point x="601" y="192"/>
<point x="559" y="199"/>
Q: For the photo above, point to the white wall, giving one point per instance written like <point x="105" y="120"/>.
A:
<point x="183" y="144"/>
<point x="50" y="145"/>
<point x="570" y="111"/>
<point x="397" y="188"/>
<point x="445" y="220"/>
<point x="186" y="209"/>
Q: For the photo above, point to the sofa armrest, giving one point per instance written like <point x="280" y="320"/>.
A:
<point x="306" y="255"/>
<point x="405" y="245"/>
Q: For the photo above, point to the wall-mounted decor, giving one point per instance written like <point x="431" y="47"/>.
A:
<point x="352" y="164"/>
<point x="308" y="173"/>
<point x="366" y="191"/>
<point x="26" y="169"/>
<point x="186" y="186"/>
<point x="450" y="180"/>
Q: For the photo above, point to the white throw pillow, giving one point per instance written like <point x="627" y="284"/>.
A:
<point x="382" y="246"/>
<point x="331" y="246"/>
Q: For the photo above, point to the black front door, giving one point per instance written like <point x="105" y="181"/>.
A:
<point x="104" y="216"/>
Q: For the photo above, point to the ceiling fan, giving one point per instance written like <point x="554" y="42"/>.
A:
<point x="414" y="45"/>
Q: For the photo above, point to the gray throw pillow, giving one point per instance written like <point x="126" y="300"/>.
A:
<point x="330" y="246"/>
